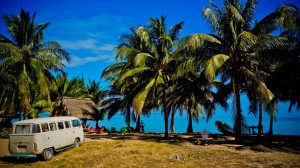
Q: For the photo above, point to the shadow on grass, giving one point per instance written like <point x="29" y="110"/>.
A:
<point x="282" y="143"/>
<point x="7" y="162"/>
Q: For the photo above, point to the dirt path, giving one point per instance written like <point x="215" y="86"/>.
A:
<point x="3" y="147"/>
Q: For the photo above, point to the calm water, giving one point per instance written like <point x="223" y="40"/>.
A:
<point x="287" y="123"/>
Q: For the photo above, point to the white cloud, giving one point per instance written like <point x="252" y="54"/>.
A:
<point x="89" y="39"/>
<point x="79" y="61"/>
<point x="79" y="44"/>
<point x="107" y="47"/>
<point x="90" y="44"/>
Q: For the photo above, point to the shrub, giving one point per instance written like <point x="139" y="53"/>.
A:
<point x="4" y="134"/>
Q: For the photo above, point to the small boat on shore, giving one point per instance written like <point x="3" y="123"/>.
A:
<point x="224" y="128"/>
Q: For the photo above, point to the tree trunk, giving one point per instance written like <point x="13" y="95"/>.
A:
<point x="25" y="113"/>
<point x="97" y="126"/>
<point x="259" y="122"/>
<point x="137" y="127"/>
<point x="20" y="116"/>
<point x="173" y="121"/>
<point x="190" y="123"/>
<point x="238" y="115"/>
<point x="271" y="125"/>
<point x="166" y="115"/>
<point x="128" y="117"/>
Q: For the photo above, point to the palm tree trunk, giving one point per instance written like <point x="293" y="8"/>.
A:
<point x="190" y="124"/>
<point x="166" y="115"/>
<point x="271" y="125"/>
<point x="128" y="117"/>
<point x="97" y="126"/>
<point x="173" y="121"/>
<point x="25" y="113"/>
<point x="238" y="115"/>
<point x="20" y="116"/>
<point x="259" y="122"/>
<point x="137" y="127"/>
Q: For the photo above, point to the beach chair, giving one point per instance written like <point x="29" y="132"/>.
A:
<point x="123" y="130"/>
<point x="112" y="130"/>
<point x="101" y="130"/>
<point x="91" y="130"/>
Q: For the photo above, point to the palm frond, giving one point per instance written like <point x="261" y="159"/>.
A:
<point x="213" y="64"/>
<point x="140" y="98"/>
<point x="140" y="59"/>
<point x="248" y="13"/>
<point x="212" y="18"/>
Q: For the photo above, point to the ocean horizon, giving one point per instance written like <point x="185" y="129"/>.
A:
<point x="283" y="125"/>
<point x="286" y="123"/>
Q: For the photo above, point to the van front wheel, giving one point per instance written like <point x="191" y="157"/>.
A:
<point x="47" y="154"/>
<point x="76" y="143"/>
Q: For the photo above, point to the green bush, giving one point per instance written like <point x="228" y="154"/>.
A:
<point x="4" y="134"/>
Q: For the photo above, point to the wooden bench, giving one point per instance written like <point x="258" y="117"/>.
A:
<point x="253" y="128"/>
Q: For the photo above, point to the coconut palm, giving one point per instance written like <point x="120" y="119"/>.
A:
<point x="288" y="59"/>
<point x="189" y="93"/>
<point x="30" y="59"/>
<point x="8" y="83"/>
<point x="75" y="87"/>
<point x="119" y="98"/>
<point x="95" y="93"/>
<point x="153" y="68"/>
<point x="232" y="52"/>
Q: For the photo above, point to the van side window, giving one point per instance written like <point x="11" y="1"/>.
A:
<point x="22" y="129"/>
<point x="67" y="124"/>
<point x="75" y="123"/>
<point x="36" y="128"/>
<point x="60" y="125"/>
<point x="53" y="127"/>
<point x="45" y="127"/>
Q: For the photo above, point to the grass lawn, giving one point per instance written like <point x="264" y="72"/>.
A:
<point x="138" y="152"/>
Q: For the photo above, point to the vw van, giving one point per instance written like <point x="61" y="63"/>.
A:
<point x="44" y="136"/>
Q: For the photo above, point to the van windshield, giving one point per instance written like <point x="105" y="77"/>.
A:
<point x="22" y="129"/>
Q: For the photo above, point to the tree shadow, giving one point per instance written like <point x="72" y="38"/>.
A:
<point x="7" y="161"/>
<point x="281" y="143"/>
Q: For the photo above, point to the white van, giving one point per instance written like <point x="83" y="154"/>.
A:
<point x="32" y="137"/>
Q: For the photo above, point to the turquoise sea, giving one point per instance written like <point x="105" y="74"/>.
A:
<point x="286" y="123"/>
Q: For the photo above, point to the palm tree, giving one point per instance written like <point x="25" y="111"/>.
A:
<point x="96" y="95"/>
<point x="232" y="52"/>
<point x="61" y="87"/>
<point x="191" y="91"/>
<point x="94" y="90"/>
<point x="7" y="95"/>
<point x="152" y="69"/>
<point x="286" y="59"/>
<point x="119" y="98"/>
<point x="30" y="59"/>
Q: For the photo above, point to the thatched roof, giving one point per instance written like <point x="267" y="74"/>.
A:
<point x="78" y="107"/>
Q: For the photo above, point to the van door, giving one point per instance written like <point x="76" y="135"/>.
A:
<point x="63" y="132"/>
<point x="77" y="129"/>
<point x="69" y="133"/>
<point x="46" y="135"/>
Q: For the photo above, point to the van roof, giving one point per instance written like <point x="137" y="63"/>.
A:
<point x="46" y="119"/>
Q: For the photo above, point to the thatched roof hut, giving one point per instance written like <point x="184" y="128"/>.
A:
<point x="81" y="108"/>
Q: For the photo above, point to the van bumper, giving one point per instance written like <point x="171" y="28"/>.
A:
<point x="23" y="155"/>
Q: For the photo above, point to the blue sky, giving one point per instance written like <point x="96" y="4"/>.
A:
<point x="89" y="30"/>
